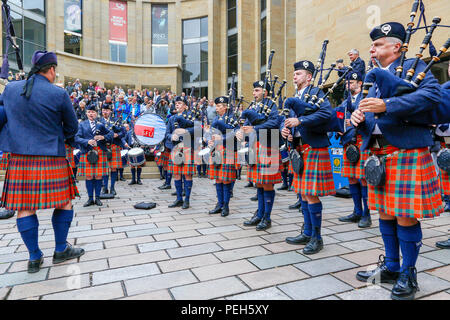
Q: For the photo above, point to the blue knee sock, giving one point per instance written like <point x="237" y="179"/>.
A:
<point x="105" y="181"/>
<point x="98" y="188"/>
<point x="307" y="219"/>
<point x="133" y="174"/>
<point x="219" y="190"/>
<point x="179" y="188"/>
<point x="61" y="221"/>
<point x="139" y="171"/>
<point x="121" y="173"/>
<point x="365" y="196"/>
<point x="284" y="177"/>
<point x="187" y="189"/>
<point x="169" y="178"/>
<point x="356" y="196"/>
<point x="232" y="185"/>
<point x="227" y="194"/>
<point x="160" y="170"/>
<point x="29" y="230"/>
<point x="388" y="229"/>
<point x="290" y="179"/>
<point x="315" y="212"/>
<point x="260" y="203"/>
<point x="199" y="169"/>
<point x="410" y="239"/>
<point x="113" y="179"/>
<point x="204" y="168"/>
<point x="90" y="188"/>
<point x="269" y="198"/>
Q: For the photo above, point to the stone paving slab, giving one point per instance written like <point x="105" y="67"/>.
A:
<point x="324" y="266"/>
<point x="274" y="276"/>
<point x="223" y="270"/>
<point x="271" y="293"/>
<point x="103" y="292"/>
<point x="241" y="253"/>
<point x="367" y="293"/>
<point x="277" y="260"/>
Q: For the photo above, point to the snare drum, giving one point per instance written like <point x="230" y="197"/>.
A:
<point x="124" y="156"/>
<point x="149" y="129"/>
<point x="136" y="157"/>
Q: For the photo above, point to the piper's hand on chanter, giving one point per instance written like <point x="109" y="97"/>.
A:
<point x="292" y="122"/>
<point x="99" y="138"/>
<point x="374" y="105"/>
<point x="247" y="129"/>
<point x="239" y="135"/>
<point x="285" y="132"/>
<point x="290" y="138"/>
<point x="210" y="143"/>
<point x="357" y="117"/>
<point x="180" y="131"/>
<point x="92" y="143"/>
<point x="175" y="137"/>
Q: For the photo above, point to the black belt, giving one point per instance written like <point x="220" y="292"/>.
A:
<point x="378" y="138"/>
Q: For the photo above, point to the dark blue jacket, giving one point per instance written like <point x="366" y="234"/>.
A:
<point x="171" y="128"/>
<point x="227" y="131"/>
<point x="39" y="125"/>
<point x="394" y="123"/>
<point x="272" y="122"/>
<point x="85" y="134"/>
<point x="313" y="128"/>
<point x="350" y="131"/>
<point x="121" y="132"/>
<point x="358" y="66"/>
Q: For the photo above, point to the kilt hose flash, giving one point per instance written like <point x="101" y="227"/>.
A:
<point x="38" y="182"/>
<point x="317" y="177"/>
<point x="412" y="187"/>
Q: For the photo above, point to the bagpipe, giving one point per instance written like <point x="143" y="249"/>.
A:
<point x="10" y="41"/>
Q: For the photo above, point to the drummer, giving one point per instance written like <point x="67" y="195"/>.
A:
<point x="136" y="171"/>
<point x="116" y="146"/>
<point x="92" y="135"/>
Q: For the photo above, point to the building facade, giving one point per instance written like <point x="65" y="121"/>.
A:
<point x="180" y="44"/>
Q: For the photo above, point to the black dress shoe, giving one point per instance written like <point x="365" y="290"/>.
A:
<point x="264" y="225"/>
<point x="255" y="198"/>
<point x="296" y="205"/>
<point x="173" y="193"/>
<point x="69" y="253"/>
<point x="381" y="274"/>
<point x="185" y="205"/>
<point x="406" y="286"/>
<point x="313" y="246"/>
<point x="225" y="211"/>
<point x="104" y="190"/>
<point x="98" y="202"/>
<point x="177" y="203"/>
<point x="302" y="238"/>
<point x="139" y="182"/>
<point x="231" y="194"/>
<point x="365" y="222"/>
<point x="443" y="244"/>
<point x="161" y="178"/>
<point x="350" y="218"/>
<point x="35" y="265"/>
<point x="113" y="192"/>
<point x="122" y="179"/>
<point x="132" y="182"/>
<point x="163" y="187"/>
<point x="89" y="203"/>
<point x="283" y="187"/>
<point x="6" y="214"/>
<point x="252" y="222"/>
<point x="216" y="210"/>
<point x="248" y="185"/>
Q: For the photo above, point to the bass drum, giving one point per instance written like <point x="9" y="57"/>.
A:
<point x="149" y="129"/>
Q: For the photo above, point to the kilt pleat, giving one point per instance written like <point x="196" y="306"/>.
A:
<point x="116" y="160"/>
<point x="268" y="165"/>
<point x="4" y="160"/>
<point x="188" y="168"/>
<point x="227" y="170"/>
<point x="165" y="157"/>
<point x="89" y="171"/>
<point x="69" y="156"/>
<point x="38" y="182"/>
<point x="317" y="177"/>
<point x="355" y="170"/>
<point x="412" y="187"/>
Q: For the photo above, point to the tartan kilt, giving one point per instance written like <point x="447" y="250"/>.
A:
<point x="225" y="172"/>
<point x="268" y="165"/>
<point x="444" y="178"/>
<point x="412" y="187"/>
<point x="165" y="157"/>
<point x="38" y="182"/>
<point x="116" y="160"/>
<point x="317" y="177"/>
<point x="4" y="160"/>
<point x="355" y="170"/>
<point x="69" y="156"/>
<point x="100" y="169"/>
<point x="188" y="168"/>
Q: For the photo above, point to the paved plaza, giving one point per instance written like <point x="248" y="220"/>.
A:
<point x="187" y="254"/>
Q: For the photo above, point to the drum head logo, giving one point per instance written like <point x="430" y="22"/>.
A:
<point x="386" y="28"/>
<point x="305" y="64"/>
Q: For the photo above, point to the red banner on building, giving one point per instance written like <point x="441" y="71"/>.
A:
<point x="118" y="21"/>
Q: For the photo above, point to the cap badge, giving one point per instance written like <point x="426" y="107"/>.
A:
<point x="305" y="64"/>
<point x="386" y="28"/>
<point x="221" y="99"/>
<point x="354" y="76"/>
<point x="261" y="83"/>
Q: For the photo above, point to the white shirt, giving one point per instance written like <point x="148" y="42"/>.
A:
<point x="377" y="130"/>
<point x="441" y="133"/>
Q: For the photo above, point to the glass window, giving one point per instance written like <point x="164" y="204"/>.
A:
<point x="34" y="31"/>
<point x="204" y="51"/>
<point x="17" y="21"/>
<point x="263" y="5"/>
<point x="36" y="6"/>
<point x="204" y="27"/>
<point x="191" y="72"/>
<point x="232" y="19"/>
<point x="29" y="49"/>
<point x="114" y="49"/>
<point x="160" y="55"/>
<point x="122" y="53"/>
<point x="232" y="65"/>
<point x="233" y="44"/>
<point x="191" y="28"/>
<point x="204" y="71"/>
<point x="263" y="42"/>
<point x="12" y="56"/>
<point x="231" y="4"/>
<point x="191" y="53"/>
<point x="72" y="43"/>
